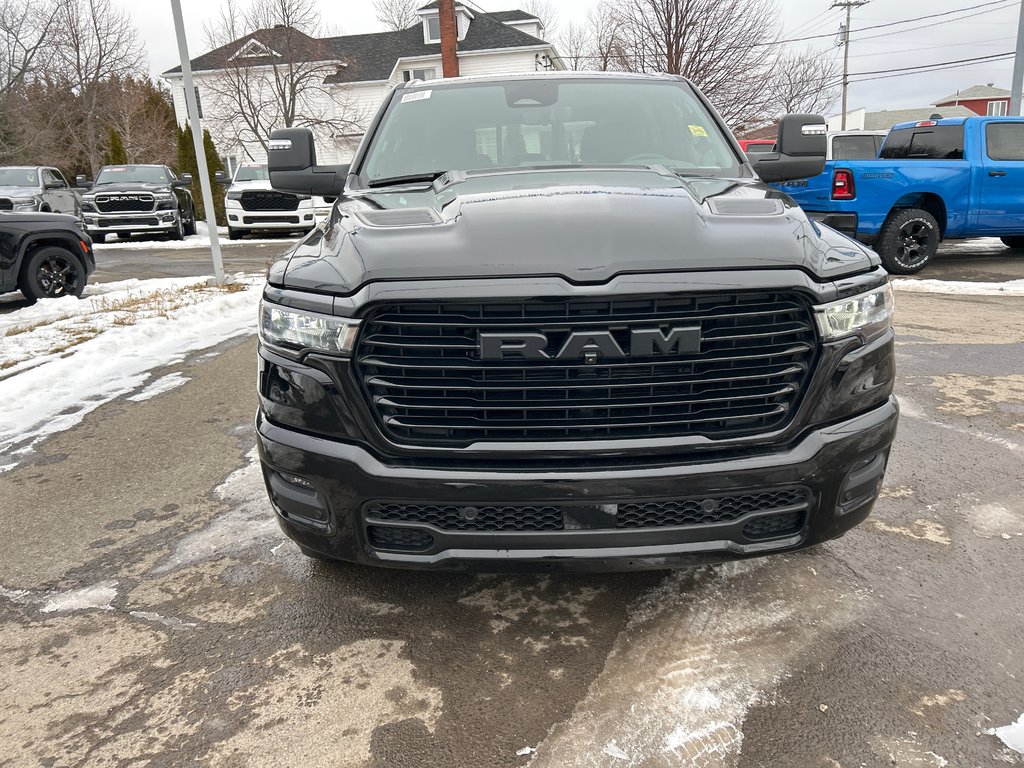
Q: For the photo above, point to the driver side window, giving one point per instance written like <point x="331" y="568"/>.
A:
<point x="51" y="178"/>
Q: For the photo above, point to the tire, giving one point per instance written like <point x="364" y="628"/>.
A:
<point x="233" y="234"/>
<point x="908" y="240"/>
<point x="190" y="225"/>
<point x="99" y="237"/>
<point x="50" y="273"/>
<point x="1017" y="243"/>
<point x="178" y="233"/>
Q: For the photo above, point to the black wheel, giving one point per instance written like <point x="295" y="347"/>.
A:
<point x="98" y="237"/>
<point x="50" y="273"/>
<point x="190" y="225"/>
<point x="178" y="233"/>
<point x="1013" y="242"/>
<point x="908" y="240"/>
<point x="233" y="234"/>
<point x="312" y="554"/>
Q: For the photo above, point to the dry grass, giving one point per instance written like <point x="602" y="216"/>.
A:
<point x="15" y="330"/>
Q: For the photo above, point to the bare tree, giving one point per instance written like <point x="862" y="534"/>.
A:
<point x="25" y="27"/>
<point x="545" y="11"/>
<point x="272" y="70"/>
<point x="804" y="82"/>
<point x="606" y="34"/>
<point x="142" y="114"/>
<point x="94" y="43"/>
<point x="576" y="46"/>
<point x="724" y="46"/>
<point x="397" y="15"/>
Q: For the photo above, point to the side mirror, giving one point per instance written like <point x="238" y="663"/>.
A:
<point x="220" y="177"/>
<point x="82" y="181"/>
<point x="185" y="180"/>
<point x="799" y="152"/>
<point x="291" y="159"/>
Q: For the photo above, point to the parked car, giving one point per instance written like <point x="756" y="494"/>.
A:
<point x="131" y="199"/>
<point x="557" y="321"/>
<point x="756" y="145"/>
<point x="37" y="188"/>
<point x="44" y="255"/>
<point x="952" y="178"/>
<point x="811" y="194"/>
<point x="252" y="205"/>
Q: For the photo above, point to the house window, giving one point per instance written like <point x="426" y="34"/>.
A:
<point x="432" y="27"/>
<point x="997" y="108"/>
<point x="199" y="101"/>
<point x="419" y="74"/>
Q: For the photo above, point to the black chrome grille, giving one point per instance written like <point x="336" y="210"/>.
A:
<point x="125" y="203"/>
<point x="268" y="200"/>
<point x="708" y="509"/>
<point x="471" y="517"/>
<point x="421" y="369"/>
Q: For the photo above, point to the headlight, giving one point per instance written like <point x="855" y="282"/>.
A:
<point x="867" y="314"/>
<point x="234" y="195"/>
<point x="299" y="330"/>
<point x="25" y="203"/>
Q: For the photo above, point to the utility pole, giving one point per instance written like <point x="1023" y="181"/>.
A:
<point x="844" y="31"/>
<point x="197" y="139"/>
<point x="1018" y="67"/>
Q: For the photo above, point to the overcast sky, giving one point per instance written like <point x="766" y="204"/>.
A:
<point x="966" y="34"/>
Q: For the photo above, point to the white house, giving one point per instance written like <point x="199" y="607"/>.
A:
<point x="359" y="70"/>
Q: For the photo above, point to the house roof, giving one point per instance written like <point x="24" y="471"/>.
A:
<point x="369" y="56"/>
<point x="879" y="121"/>
<point x="975" y="92"/>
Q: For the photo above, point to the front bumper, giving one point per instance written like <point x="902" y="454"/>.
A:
<point x="839" y="466"/>
<point x="302" y="218"/>
<point x="112" y="223"/>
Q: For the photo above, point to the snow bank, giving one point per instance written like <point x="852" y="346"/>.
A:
<point x="61" y="359"/>
<point x="963" y="287"/>
<point x="201" y="239"/>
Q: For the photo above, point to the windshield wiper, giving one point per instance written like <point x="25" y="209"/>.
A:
<point x="412" y="178"/>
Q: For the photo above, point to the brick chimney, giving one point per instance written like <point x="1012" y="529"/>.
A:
<point x="449" y="38"/>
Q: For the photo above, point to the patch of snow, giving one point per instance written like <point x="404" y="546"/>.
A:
<point x="161" y="385"/>
<point x="247" y="522"/>
<point x="525" y="751"/>
<point x="962" y="287"/>
<point x="167" y="621"/>
<point x="56" y="384"/>
<point x="613" y="750"/>
<point x="201" y="239"/>
<point x="1011" y="735"/>
<point x="96" y="596"/>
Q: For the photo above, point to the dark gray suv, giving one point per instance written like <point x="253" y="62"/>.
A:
<point x="37" y="188"/>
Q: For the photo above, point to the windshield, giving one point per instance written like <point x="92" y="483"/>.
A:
<point x="18" y="177"/>
<point x="132" y="174"/>
<point x="252" y="173"/>
<point x="547" y="121"/>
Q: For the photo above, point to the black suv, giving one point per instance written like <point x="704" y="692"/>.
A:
<point x="559" y="321"/>
<point x="134" y="199"/>
<point x="45" y="255"/>
<point x="37" y="188"/>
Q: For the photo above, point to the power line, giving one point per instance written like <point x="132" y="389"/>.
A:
<point x="936" y="64"/>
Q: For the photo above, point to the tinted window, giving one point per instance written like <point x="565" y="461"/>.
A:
<point x="854" y="148"/>
<point x="1005" y="141"/>
<point x="132" y="174"/>
<point x="18" y="177"/>
<point x="546" y="121"/>
<point x="937" y="142"/>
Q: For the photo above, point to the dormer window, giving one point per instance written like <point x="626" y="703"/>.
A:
<point x="254" y="49"/>
<point x="432" y="29"/>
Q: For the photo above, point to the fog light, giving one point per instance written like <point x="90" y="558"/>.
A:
<point x="232" y="218"/>
<point x="296" y="480"/>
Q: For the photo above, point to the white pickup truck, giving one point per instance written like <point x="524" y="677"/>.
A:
<point x="252" y="205"/>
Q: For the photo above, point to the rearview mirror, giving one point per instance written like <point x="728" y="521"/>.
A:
<point x="82" y="181"/>
<point x="799" y="150"/>
<point x="291" y="160"/>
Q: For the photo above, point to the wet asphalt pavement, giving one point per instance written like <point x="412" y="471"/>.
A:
<point x="151" y="614"/>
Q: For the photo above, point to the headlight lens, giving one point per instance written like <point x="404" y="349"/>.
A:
<point x="299" y="330"/>
<point x="25" y="203"/>
<point x="234" y="195"/>
<point x="867" y="314"/>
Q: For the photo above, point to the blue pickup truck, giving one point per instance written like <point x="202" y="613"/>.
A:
<point x="953" y="178"/>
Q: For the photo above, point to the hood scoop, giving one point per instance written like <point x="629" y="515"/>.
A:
<point x="399" y="217"/>
<point x="745" y="206"/>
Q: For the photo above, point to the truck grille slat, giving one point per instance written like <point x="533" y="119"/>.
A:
<point x="268" y="200"/>
<point x="127" y="203"/>
<point x="420" y="368"/>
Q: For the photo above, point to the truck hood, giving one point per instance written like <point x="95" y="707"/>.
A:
<point x="583" y="225"/>
<point x="238" y="186"/>
<point x="127" y="187"/>
<point x="19" y="191"/>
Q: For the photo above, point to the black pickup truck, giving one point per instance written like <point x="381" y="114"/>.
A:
<point x="136" y="199"/>
<point x="45" y="255"/>
<point x="558" y="321"/>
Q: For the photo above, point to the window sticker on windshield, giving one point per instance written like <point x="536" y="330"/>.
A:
<point x="698" y="131"/>
<point x="416" y="96"/>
